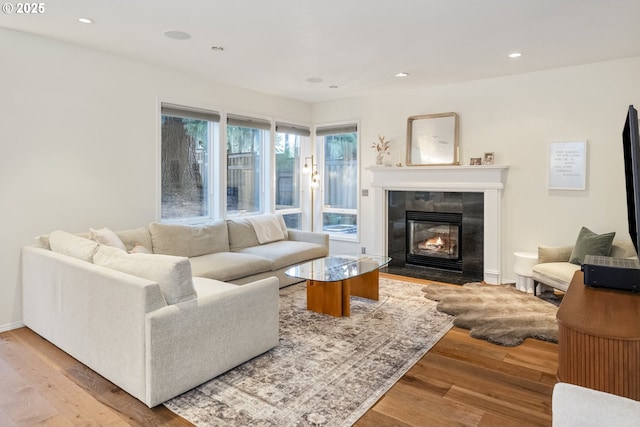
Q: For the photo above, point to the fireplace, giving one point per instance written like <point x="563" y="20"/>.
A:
<point x="437" y="235"/>
<point x="434" y="239"/>
<point x="481" y="223"/>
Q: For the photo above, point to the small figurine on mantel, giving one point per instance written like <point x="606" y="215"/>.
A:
<point x="382" y="148"/>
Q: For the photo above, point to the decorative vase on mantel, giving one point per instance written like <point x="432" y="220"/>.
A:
<point x="382" y="148"/>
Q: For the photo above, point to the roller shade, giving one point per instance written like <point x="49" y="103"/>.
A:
<point x="189" y="113"/>
<point x="293" y="129"/>
<point x="333" y="130"/>
<point x="248" y="122"/>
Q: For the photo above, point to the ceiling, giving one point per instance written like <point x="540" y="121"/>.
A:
<point x="321" y="50"/>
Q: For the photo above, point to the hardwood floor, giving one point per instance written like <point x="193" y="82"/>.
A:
<point x="461" y="381"/>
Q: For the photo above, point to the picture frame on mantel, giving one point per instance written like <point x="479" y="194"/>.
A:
<point x="568" y="165"/>
<point x="432" y="140"/>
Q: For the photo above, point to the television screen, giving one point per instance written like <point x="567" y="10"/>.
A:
<point x="631" y="149"/>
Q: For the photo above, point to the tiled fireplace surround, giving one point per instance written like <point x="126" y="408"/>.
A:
<point x="487" y="180"/>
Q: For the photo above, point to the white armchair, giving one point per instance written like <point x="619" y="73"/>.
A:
<point x="576" y="406"/>
<point x="555" y="270"/>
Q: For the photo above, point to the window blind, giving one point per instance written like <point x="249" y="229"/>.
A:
<point x="174" y="110"/>
<point x="333" y="130"/>
<point x="248" y="122"/>
<point x="293" y="129"/>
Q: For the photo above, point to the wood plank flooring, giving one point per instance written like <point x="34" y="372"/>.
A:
<point x="461" y="381"/>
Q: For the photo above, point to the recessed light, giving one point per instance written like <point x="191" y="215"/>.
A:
<point x="515" y="55"/>
<point x="402" y="75"/>
<point x="314" y="80"/>
<point x="177" y="35"/>
<point x="85" y="20"/>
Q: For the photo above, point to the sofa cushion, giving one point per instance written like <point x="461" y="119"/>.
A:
<point x="242" y="233"/>
<point x="554" y="253"/>
<point x="107" y="237"/>
<point x="267" y="228"/>
<point x="623" y="249"/>
<point x="137" y="236"/>
<point x="590" y="243"/>
<point x="285" y="253"/>
<point x="72" y="245"/>
<point x="189" y="241"/>
<point x="555" y="274"/>
<point x="205" y="287"/>
<point x="229" y="265"/>
<point x="172" y="273"/>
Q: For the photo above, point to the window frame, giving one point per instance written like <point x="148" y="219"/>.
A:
<point x="322" y="208"/>
<point x="190" y="110"/>
<point x="265" y="125"/>
<point x="304" y="134"/>
<point x="218" y="168"/>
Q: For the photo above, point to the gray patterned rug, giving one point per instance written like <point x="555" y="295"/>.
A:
<point x="326" y="371"/>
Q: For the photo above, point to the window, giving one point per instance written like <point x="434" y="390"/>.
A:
<point x="246" y="139"/>
<point x="187" y="137"/>
<point x="289" y="139"/>
<point x="340" y="180"/>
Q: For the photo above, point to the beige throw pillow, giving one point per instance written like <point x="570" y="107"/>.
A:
<point x="242" y="232"/>
<point x="172" y="273"/>
<point x="136" y="236"/>
<point x="72" y="245"/>
<point x="267" y="228"/>
<point x="107" y="237"/>
<point x="139" y="249"/>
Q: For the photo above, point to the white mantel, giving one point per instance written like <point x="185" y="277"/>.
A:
<point x="486" y="179"/>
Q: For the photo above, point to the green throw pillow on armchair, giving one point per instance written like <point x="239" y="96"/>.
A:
<point x="590" y="243"/>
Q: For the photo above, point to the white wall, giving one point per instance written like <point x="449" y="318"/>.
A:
<point x="517" y="117"/>
<point x="78" y="130"/>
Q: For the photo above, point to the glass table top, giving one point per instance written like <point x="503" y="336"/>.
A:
<point x="337" y="267"/>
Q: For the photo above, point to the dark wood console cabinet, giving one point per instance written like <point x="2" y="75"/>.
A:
<point x="599" y="339"/>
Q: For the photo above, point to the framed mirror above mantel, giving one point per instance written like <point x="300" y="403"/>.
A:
<point x="432" y="140"/>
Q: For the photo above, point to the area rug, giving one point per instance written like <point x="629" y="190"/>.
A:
<point x="326" y="371"/>
<point x="497" y="313"/>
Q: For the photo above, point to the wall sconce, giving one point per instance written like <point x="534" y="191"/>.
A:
<point x="315" y="180"/>
<point x="313" y="170"/>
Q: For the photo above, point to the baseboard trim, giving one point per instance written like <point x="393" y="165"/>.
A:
<point x="11" y="326"/>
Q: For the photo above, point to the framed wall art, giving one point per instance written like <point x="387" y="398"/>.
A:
<point x="568" y="165"/>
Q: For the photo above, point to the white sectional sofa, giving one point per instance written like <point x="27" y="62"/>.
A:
<point x="161" y="309"/>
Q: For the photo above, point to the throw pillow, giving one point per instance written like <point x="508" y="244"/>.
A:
<point x="241" y="234"/>
<point x="72" y="245"/>
<point x="42" y="241"/>
<point x="107" y="237"/>
<point x="267" y="228"/>
<point x="283" y="225"/>
<point x="139" y="249"/>
<point x="137" y="236"/>
<point x="173" y="274"/>
<point x="590" y="243"/>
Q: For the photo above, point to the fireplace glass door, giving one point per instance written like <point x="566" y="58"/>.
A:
<point x="433" y="239"/>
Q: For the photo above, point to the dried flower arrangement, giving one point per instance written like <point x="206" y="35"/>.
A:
<point x="382" y="148"/>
